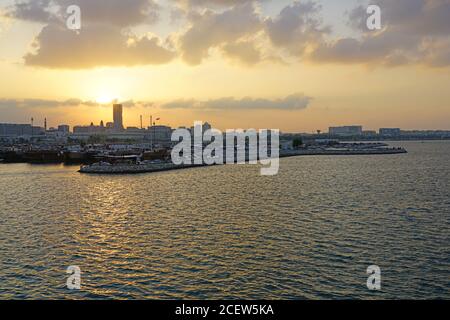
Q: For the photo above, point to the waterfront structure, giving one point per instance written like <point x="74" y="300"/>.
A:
<point x="390" y="132"/>
<point x="118" y="118"/>
<point x="369" y="133"/>
<point x="55" y="135"/>
<point x="110" y="135"/>
<point x="346" y="131"/>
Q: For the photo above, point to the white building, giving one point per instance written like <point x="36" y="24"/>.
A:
<point x="390" y="132"/>
<point x="346" y="131"/>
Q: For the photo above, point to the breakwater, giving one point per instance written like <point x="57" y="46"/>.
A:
<point x="168" y="166"/>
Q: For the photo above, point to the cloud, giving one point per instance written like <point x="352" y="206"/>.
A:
<point x="27" y="103"/>
<point x="245" y="52"/>
<point x="45" y="103"/>
<point x="95" y="46"/>
<point x="415" y="31"/>
<point x="211" y="29"/>
<point x="104" y="40"/>
<point x="297" y="27"/>
<point x="290" y="103"/>
<point x="213" y="3"/>
<point x="122" y="13"/>
<point x="116" y="12"/>
<point x="31" y="10"/>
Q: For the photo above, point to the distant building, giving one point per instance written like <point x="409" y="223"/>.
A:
<point x="55" y="135"/>
<point x="64" y="128"/>
<point x="12" y="129"/>
<point x="346" y="131"/>
<point x="369" y="133"/>
<point x="159" y="135"/>
<point x="133" y="129"/>
<point x="205" y="127"/>
<point x="92" y="129"/>
<point x="80" y="129"/>
<point x="117" y="116"/>
<point x="390" y="132"/>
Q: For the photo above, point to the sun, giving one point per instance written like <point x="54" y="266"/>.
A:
<point x="106" y="98"/>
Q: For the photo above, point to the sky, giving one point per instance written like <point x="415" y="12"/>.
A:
<point x="298" y="66"/>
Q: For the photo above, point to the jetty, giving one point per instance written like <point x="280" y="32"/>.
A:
<point x="342" y="152"/>
<point x="104" y="168"/>
<point x="131" y="165"/>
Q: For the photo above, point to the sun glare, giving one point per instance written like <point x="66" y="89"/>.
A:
<point x="106" y="98"/>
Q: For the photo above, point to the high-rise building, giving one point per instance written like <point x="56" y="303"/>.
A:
<point x="117" y="116"/>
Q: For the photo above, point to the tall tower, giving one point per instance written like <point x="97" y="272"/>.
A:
<point x="117" y="116"/>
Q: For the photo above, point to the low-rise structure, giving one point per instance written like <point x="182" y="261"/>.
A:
<point x="159" y="135"/>
<point x="390" y="132"/>
<point x="346" y="131"/>
<point x="64" y="128"/>
<point x="12" y="129"/>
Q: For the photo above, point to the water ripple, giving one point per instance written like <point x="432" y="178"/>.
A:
<point x="226" y="232"/>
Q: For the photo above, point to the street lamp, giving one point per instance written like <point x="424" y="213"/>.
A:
<point x="152" y="131"/>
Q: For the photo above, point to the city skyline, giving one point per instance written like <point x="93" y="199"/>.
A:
<point x="117" y="124"/>
<point x="297" y="66"/>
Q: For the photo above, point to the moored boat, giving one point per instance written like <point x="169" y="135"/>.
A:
<point x="43" y="156"/>
<point x="74" y="157"/>
<point x="12" y="156"/>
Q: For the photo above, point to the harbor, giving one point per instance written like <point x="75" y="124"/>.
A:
<point x="133" y="164"/>
<point x="138" y="158"/>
